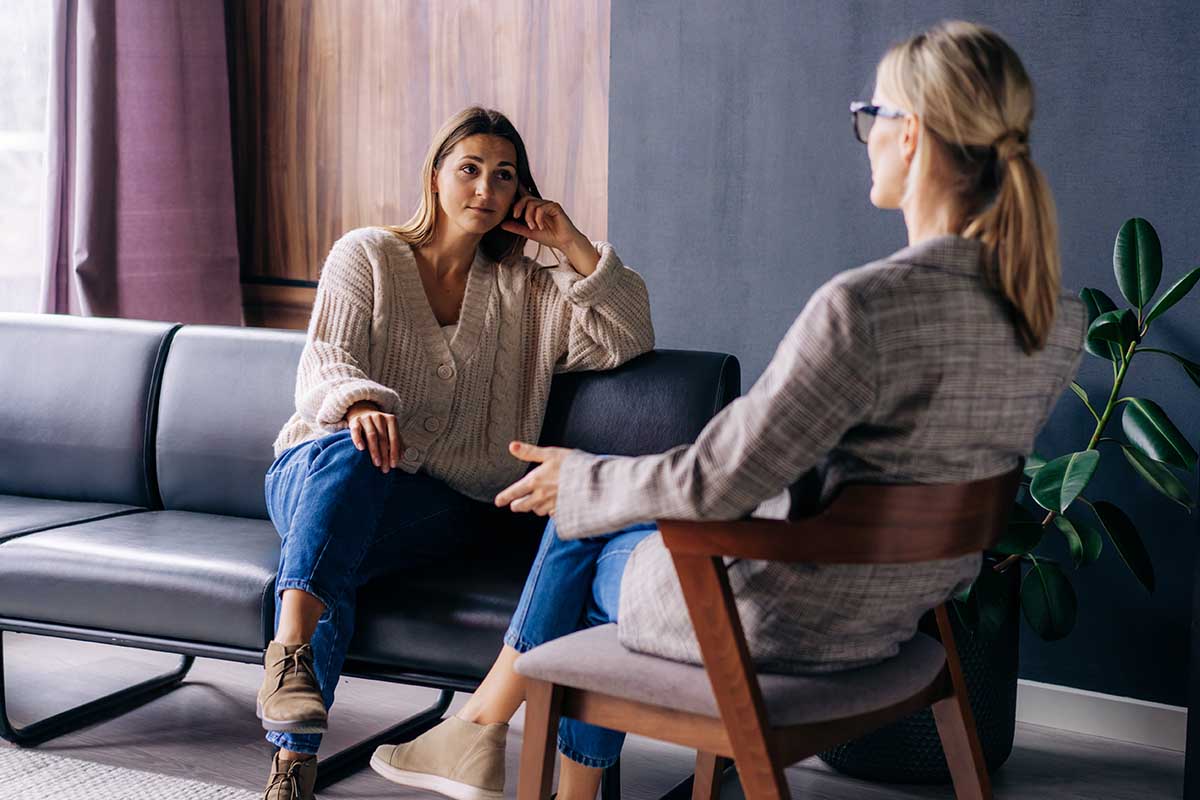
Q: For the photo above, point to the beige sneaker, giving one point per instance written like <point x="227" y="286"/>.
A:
<point x="290" y="699"/>
<point x="291" y="780"/>
<point x="459" y="759"/>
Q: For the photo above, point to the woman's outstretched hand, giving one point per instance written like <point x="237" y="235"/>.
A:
<point x="372" y="429"/>
<point x="545" y="222"/>
<point x="537" y="491"/>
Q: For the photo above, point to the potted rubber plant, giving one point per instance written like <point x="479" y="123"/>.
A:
<point x="1131" y="434"/>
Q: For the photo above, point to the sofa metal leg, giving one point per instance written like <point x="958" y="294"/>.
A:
<point x="100" y="709"/>
<point x="345" y="762"/>
<point x="610" y="783"/>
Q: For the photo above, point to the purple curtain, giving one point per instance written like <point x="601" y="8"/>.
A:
<point x="140" y="207"/>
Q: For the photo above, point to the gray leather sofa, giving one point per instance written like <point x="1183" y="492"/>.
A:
<point x="132" y="457"/>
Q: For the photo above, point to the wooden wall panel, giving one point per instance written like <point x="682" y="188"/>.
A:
<point x="336" y="102"/>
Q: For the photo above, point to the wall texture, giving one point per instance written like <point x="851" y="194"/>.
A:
<point x="736" y="187"/>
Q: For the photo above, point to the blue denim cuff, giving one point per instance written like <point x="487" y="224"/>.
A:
<point x="304" y="586"/>
<point x="580" y="758"/>
<point x="286" y="742"/>
<point x="514" y="640"/>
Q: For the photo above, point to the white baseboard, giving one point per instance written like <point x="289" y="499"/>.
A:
<point x="1122" y="718"/>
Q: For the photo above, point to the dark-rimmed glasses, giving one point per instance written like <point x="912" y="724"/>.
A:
<point x="862" y="117"/>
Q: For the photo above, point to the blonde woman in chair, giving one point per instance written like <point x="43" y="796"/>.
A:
<point x="430" y="346"/>
<point x="937" y="364"/>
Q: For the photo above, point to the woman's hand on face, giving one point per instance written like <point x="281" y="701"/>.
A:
<point x="373" y="430"/>
<point x="537" y="491"/>
<point x="543" y="221"/>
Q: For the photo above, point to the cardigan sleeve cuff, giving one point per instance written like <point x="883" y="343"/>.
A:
<point x="587" y="292"/>
<point x="332" y="413"/>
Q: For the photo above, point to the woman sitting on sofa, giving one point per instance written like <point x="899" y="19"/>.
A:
<point x="431" y="346"/>
<point x="937" y="364"/>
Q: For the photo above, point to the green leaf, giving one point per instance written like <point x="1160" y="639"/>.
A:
<point x="1097" y="303"/>
<point x="1082" y="394"/>
<point x="1048" y="601"/>
<point x="1150" y="429"/>
<point x="1117" y="327"/>
<point x="1084" y="542"/>
<point x="1033" y="463"/>
<point x="1128" y="542"/>
<point x="1173" y="295"/>
<point x="1158" y="476"/>
<point x="1137" y="261"/>
<point x="1074" y="543"/>
<point x="1190" y="367"/>
<point x="1093" y="542"/>
<point x="1056" y="485"/>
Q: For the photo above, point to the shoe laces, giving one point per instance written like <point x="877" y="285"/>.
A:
<point x="289" y="777"/>
<point x="301" y="662"/>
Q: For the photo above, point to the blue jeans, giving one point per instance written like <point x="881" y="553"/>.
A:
<point x="342" y="522"/>
<point x="575" y="585"/>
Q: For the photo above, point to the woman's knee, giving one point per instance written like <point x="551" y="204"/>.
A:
<point x="338" y="454"/>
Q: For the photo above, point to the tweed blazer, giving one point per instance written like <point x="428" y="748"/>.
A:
<point x="903" y="370"/>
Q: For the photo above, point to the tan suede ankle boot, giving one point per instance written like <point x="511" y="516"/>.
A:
<point x="291" y="780"/>
<point x="290" y="699"/>
<point x="459" y="759"/>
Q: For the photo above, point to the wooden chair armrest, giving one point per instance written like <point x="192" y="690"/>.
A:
<point x="804" y="541"/>
<point x="897" y="524"/>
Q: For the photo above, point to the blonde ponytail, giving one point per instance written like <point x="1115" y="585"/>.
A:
<point x="969" y="89"/>
<point x="1020" y="237"/>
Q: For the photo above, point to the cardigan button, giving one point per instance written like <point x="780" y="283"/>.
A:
<point x="445" y="371"/>
<point x="412" y="453"/>
<point x="432" y="424"/>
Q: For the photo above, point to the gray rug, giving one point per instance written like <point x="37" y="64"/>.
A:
<point x="33" y="775"/>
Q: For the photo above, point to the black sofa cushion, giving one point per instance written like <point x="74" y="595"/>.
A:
<point x="226" y="392"/>
<point x="75" y="406"/>
<point x="443" y="620"/>
<point x="21" y="515"/>
<point x="170" y="574"/>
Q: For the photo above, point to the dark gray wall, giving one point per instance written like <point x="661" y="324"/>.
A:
<point x="737" y="189"/>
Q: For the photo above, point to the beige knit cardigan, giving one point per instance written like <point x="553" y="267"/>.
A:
<point x="373" y="336"/>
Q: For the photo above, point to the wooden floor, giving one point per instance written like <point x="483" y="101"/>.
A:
<point x="206" y="730"/>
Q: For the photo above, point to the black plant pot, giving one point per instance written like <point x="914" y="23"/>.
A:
<point x="909" y="751"/>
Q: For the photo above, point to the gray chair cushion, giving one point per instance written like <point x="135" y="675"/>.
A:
<point x="593" y="659"/>
<point x="21" y="515"/>
<point x="171" y="574"/>
<point x="226" y="392"/>
<point x="75" y="405"/>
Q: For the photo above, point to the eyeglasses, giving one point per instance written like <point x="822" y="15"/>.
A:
<point x="862" y="116"/>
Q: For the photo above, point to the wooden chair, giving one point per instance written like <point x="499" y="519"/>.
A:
<point x="767" y="722"/>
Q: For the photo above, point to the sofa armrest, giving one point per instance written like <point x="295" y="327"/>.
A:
<point x="653" y="403"/>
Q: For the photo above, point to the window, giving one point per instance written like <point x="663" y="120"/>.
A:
<point x="24" y="72"/>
